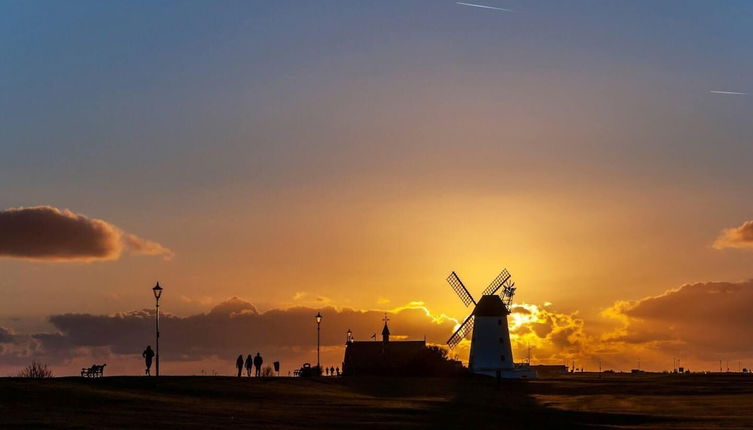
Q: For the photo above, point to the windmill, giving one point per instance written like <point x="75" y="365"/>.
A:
<point x="491" y="352"/>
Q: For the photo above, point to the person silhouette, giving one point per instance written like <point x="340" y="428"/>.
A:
<point x="338" y="370"/>
<point x="148" y="354"/>
<point x="257" y="363"/>
<point x="326" y="370"/>
<point x="249" y="364"/>
<point x="332" y="371"/>
<point x="239" y="364"/>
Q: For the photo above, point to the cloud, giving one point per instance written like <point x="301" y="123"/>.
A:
<point x="51" y="234"/>
<point x="729" y="93"/>
<point x="555" y="336"/>
<point x="232" y="327"/>
<point x="736" y="237"/>
<point x="483" y="6"/>
<point x="707" y="321"/>
<point x="6" y="335"/>
<point x="700" y="323"/>
<point x="233" y="307"/>
<point x="306" y="297"/>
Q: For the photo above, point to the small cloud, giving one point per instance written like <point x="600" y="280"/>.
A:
<point x="382" y="301"/>
<point x="303" y="296"/>
<point x="233" y="307"/>
<point x="736" y="237"/>
<point x="46" y="233"/>
<point x="6" y="335"/>
<point x="141" y="246"/>
<point x="728" y="93"/>
<point x="481" y="6"/>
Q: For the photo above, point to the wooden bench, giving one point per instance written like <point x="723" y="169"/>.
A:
<point x="96" y="371"/>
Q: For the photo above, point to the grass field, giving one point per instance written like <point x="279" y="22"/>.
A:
<point x="577" y="401"/>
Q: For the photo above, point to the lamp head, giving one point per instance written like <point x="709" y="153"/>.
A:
<point x="318" y="317"/>
<point x="157" y="291"/>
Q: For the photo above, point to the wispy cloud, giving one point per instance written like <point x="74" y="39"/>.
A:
<point x="483" y="6"/>
<point x="736" y="237"/>
<point x="729" y="93"/>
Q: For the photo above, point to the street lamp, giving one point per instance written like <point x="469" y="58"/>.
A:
<point x="318" y="323"/>
<point x="157" y="290"/>
<point x="349" y="338"/>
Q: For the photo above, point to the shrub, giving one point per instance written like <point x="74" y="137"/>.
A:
<point x="267" y="371"/>
<point x="35" y="370"/>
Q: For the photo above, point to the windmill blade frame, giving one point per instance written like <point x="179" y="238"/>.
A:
<point x="460" y="289"/>
<point x="503" y="279"/>
<point x="461" y="332"/>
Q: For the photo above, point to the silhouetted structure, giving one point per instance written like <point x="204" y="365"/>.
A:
<point x="257" y="364"/>
<point x="307" y="371"/>
<point x="148" y="354"/>
<point x="96" y="371"/>
<point x="400" y="358"/>
<point x="491" y="352"/>
<point x="239" y="365"/>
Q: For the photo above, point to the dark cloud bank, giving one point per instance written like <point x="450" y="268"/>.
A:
<point x="50" y="234"/>
<point x="706" y="321"/>
<point x="229" y="328"/>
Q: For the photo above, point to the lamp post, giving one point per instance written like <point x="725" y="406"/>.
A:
<point x="157" y="290"/>
<point x="350" y="337"/>
<point x="318" y="324"/>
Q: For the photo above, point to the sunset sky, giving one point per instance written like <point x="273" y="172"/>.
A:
<point x="299" y="155"/>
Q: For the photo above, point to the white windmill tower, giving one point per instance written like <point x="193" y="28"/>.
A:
<point x="491" y="352"/>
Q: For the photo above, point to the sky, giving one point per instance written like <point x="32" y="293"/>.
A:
<point x="265" y="158"/>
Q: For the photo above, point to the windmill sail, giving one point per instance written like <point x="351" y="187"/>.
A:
<point x="460" y="289"/>
<point x="502" y="279"/>
<point x="461" y="332"/>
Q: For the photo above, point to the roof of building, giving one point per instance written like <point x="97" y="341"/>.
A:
<point x="490" y="306"/>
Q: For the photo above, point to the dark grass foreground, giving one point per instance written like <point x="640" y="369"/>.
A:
<point x="469" y="403"/>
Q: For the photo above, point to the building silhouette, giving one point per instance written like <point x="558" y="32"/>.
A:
<point x="385" y="357"/>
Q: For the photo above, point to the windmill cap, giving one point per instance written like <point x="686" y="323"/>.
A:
<point x="490" y="306"/>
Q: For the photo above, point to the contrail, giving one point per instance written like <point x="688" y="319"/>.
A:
<point x="729" y="93"/>
<point x="483" y="6"/>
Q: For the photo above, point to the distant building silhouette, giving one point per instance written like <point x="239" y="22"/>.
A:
<point x="549" y="369"/>
<point x="387" y="357"/>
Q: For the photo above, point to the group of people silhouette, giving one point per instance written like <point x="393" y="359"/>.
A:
<point x="256" y="362"/>
<point x="330" y="371"/>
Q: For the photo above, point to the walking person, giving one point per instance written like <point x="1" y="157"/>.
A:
<point x="257" y="364"/>
<point x="249" y="364"/>
<point x="148" y="354"/>
<point x="239" y="365"/>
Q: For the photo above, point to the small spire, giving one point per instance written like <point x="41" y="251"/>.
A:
<point x="385" y="330"/>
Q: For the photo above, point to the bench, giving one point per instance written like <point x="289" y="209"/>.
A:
<point x="96" y="371"/>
